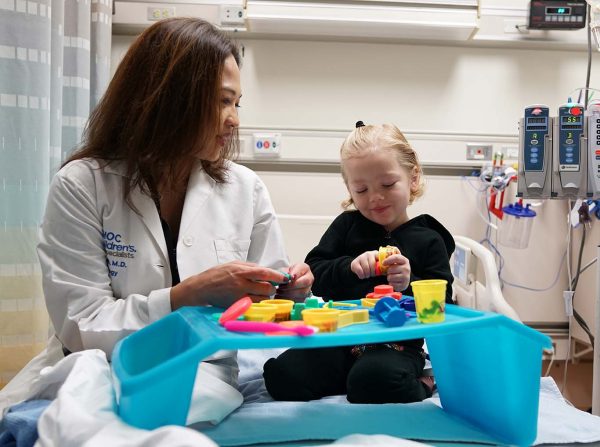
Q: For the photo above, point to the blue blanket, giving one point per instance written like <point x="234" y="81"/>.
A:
<point x="19" y="426"/>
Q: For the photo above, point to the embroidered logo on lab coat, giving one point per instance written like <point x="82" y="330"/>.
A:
<point x="117" y="251"/>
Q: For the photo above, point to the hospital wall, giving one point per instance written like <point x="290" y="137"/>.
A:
<point x="442" y="97"/>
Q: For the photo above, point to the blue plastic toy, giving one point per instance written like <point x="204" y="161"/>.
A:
<point x="408" y="303"/>
<point x="390" y="312"/>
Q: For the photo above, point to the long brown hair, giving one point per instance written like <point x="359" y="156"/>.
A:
<point x="162" y="105"/>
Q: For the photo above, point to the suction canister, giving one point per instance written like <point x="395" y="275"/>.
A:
<point x="516" y="225"/>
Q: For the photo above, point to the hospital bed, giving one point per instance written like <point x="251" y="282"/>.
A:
<point x="261" y="421"/>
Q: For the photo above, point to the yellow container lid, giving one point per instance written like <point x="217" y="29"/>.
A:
<point x="282" y="305"/>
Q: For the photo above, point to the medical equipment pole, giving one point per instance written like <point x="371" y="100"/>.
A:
<point x="596" y="365"/>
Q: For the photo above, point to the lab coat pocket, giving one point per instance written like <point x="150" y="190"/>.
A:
<point x="231" y="249"/>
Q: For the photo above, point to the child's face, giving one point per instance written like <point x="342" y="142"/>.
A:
<point x="380" y="187"/>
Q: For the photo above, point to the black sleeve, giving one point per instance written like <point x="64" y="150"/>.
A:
<point x="435" y="265"/>
<point x="330" y="264"/>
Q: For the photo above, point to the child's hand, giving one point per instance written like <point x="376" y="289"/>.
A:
<point x="299" y="287"/>
<point x="398" y="274"/>
<point x="364" y="265"/>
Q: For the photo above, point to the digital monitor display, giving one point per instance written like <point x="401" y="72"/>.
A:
<point x="536" y="120"/>
<point x="570" y="119"/>
<point x="559" y="11"/>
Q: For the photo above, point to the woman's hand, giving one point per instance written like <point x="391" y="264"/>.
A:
<point x="364" y="265"/>
<point x="299" y="287"/>
<point x="398" y="274"/>
<point x="223" y="284"/>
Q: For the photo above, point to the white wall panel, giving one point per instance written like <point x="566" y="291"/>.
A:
<point x="419" y="87"/>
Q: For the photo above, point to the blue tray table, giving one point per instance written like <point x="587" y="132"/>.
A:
<point x="487" y="366"/>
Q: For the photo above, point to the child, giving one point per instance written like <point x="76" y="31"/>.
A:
<point x="383" y="176"/>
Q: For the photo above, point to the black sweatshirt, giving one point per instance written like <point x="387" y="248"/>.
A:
<point x="423" y="240"/>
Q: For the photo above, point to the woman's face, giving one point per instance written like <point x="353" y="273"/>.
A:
<point x="229" y="100"/>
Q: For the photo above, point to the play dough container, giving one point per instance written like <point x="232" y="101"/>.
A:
<point x="430" y="300"/>
<point x="326" y="320"/>
<point x="260" y="312"/>
<point x="284" y="308"/>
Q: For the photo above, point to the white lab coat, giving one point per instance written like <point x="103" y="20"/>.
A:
<point x="105" y="266"/>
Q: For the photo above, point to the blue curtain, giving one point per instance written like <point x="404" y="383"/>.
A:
<point x="54" y="66"/>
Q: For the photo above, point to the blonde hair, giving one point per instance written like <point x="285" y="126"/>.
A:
<point x="371" y="138"/>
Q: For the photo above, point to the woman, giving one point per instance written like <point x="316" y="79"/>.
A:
<point x="150" y="214"/>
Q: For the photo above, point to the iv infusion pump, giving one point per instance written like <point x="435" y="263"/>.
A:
<point x="535" y="139"/>
<point x="559" y="156"/>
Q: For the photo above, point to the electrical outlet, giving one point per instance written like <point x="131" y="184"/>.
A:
<point x="232" y="15"/>
<point x="267" y="144"/>
<point x="154" y="14"/>
<point x="479" y="151"/>
<point x="510" y="152"/>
